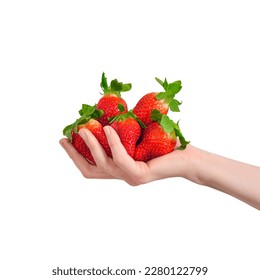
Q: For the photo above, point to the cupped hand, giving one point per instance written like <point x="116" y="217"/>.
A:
<point x="122" y="166"/>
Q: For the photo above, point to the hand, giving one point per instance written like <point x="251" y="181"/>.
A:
<point x="122" y="166"/>
<point x="235" y="178"/>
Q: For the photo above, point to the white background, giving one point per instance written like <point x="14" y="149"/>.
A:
<point x="51" y="59"/>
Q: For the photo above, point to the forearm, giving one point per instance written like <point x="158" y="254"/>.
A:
<point x="233" y="177"/>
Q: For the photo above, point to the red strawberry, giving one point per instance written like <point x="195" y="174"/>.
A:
<point x="160" y="101"/>
<point x="128" y="128"/>
<point x="87" y="120"/>
<point x="111" y="102"/>
<point x="159" y="138"/>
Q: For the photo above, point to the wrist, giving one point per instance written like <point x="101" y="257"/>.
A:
<point x="193" y="159"/>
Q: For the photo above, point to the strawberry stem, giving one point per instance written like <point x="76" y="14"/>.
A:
<point x="171" y="89"/>
<point x="87" y="112"/>
<point x="121" y="107"/>
<point x="114" y="87"/>
<point x="125" y="116"/>
<point x="169" y="126"/>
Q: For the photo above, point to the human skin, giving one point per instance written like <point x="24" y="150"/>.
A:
<point x="235" y="178"/>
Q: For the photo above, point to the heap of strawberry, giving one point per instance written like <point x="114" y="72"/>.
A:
<point x="146" y="131"/>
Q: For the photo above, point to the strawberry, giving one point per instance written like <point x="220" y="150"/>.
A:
<point x="111" y="100"/>
<point x="159" y="138"/>
<point x="160" y="101"/>
<point x="128" y="128"/>
<point x="89" y="114"/>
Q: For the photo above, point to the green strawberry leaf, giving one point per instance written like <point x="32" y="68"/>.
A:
<point x="87" y="112"/>
<point x="123" y="117"/>
<point x="67" y="131"/>
<point x="174" y="105"/>
<point x="97" y="114"/>
<point x="140" y="122"/>
<point x="118" y="87"/>
<point x="171" y="89"/>
<point x="174" y="88"/>
<point x="161" y="95"/>
<point x="167" y="124"/>
<point x="156" y="115"/>
<point x="121" y="107"/>
<point x="159" y="81"/>
<point x="87" y="109"/>
<point x="103" y="83"/>
<point x="112" y="119"/>
<point x="114" y="87"/>
<point x="163" y="120"/>
<point x="165" y="84"/>
<point x="183" y="141"/>
<point x="126" y="87"/>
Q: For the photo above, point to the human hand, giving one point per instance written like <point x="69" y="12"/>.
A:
<point x="122" y="166"/>
<point x="204" y="168"/>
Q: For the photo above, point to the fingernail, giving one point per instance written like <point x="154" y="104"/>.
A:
<point x="107" y="130"/>
<point x="83" y="133"/>
<point x="61" y="143"/>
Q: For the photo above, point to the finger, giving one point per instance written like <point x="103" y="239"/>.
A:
<point x="122" y="159"/>
<point x="88" y="170"/>
<point x="102" y="161"/>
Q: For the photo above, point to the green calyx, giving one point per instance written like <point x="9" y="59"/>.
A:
<point x="169" y="126"/>
<point x="127" y="115"/>
<point x="114" y="87"/>
<point x="87" y="112"/>
<point x="171" y="89"/>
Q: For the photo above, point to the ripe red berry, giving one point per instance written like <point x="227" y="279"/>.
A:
<point x="111" y="103"/>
